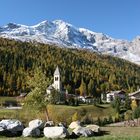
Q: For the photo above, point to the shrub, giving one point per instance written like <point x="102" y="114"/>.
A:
<point x="117" y="117"/>
<point x="99" y="121"/>
<point x="75" y="117"/>
<point x="110" y="119"/>
<point x="136" y="113"/>
<point x="87" y="119"/>
<point x="105" y="121"/>
<point x="134" y="105"/>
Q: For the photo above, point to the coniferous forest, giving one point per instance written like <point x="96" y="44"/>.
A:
<point x="83" y="72"/>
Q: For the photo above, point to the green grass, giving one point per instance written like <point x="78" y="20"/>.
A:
<point x="60" y="113"/>
<point x="118" y="133"/>
<point x="112" y="138"/>
<point x="3" y="99"/>
<point x="112" y="133"/>
<point x="96" y="111"/>
<point x="6" y="113"/>
<point x="123" y="131"/>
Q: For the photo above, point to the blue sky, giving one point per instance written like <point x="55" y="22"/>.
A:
<point x="116" y="18"/>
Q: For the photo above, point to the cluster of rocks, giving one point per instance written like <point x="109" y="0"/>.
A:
<point x="11" y="128"/>
<point x="38" y="128"/>
<point x="34" y="128"/>
<point x="88" y="131"/>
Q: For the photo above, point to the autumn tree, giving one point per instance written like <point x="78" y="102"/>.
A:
<point x="82" y="88"/>
<point x="36" y="98"/>
<point x="133" y="104"/>
<point x="18" y="60"/>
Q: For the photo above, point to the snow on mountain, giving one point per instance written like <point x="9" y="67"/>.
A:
<point x="66" y="35"/>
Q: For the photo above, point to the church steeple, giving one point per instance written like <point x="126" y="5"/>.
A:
<point x="57" y="71"/>
<point x="57" y="79"/>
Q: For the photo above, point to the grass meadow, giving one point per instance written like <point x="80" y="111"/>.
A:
<point x="61" y="113"/>
<point x="111" y="133"/>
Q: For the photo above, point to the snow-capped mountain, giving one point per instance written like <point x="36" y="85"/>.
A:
<point x="65" y="35"/>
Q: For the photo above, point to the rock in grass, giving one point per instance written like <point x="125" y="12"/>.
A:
<point x="56" y="132"/>
<point x="94" y="128"/>
<point x="36" y="124"/>
<point x="74" y="125"/>
<point x="31" y="132"/>
<point x="11" y="127"/>
<point x="83" y="131"/>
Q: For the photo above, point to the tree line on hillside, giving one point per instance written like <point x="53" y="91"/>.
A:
<point x="83" y="72"/>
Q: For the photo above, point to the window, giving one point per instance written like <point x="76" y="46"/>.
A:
<point x="56" y="78"/>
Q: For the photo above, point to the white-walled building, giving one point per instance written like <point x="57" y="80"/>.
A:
<point x="56" y="85"/>
<point x="113" y="94"/>
<point x="57" y="79"/>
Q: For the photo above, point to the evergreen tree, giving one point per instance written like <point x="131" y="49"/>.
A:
<point x="127" y="103"/>
<point x="117" y="104"/>
<point x="136" y="113"/>
<point x="90" y="87"/>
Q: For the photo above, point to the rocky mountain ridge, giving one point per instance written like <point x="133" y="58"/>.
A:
<point x="66" y="35"/>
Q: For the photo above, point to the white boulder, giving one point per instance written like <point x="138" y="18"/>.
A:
<point x="83" y="131"/>
<point x="11" y="127"/>
<point x="94" y="128"/>
<point x="74" y="125"/>
<point x="31" y="132"/>
<point x="36" y="124"/>
<point x="56" y="132"/>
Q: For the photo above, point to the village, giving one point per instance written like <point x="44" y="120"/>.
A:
<point x="70" y="69"/>
<point x="116" y="99"/>
<point x="105" y="97"/>
<point x="64" y="95"/>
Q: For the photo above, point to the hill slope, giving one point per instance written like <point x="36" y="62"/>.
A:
<point x="18" y="60"/>
<point x="64" y="34"/>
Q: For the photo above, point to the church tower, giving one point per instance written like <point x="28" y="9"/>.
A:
<point x="57" y="80"/>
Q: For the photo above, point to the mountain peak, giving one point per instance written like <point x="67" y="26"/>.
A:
<point x="64" y="34"/>
<point x="58" y="22"/>
<point x="13" y="25"/>
<point x="43" y="23"/>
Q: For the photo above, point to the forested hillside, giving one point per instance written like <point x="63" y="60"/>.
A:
<point x="82" y="71"/>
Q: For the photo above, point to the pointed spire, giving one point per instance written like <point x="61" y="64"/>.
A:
<point x="57" y="71"/>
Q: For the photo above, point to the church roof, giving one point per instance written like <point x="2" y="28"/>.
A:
<point x="57" y="71"/>
<point x="135" y="93"/>
<point x="50" y="87"/>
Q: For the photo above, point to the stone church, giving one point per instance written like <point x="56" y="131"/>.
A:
<point x="56" y="85"/>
